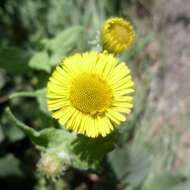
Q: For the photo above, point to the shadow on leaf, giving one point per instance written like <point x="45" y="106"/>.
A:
<point x="93" y="149"/>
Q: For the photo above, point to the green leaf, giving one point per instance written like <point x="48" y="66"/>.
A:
<point x="51" y="138"/>
<point x="9" y="132"/>
<point x="131" y="165"/>
<point x="91" y="151"/>
<point x="54" y="140"/>
<point x="12" y="133"/>
<point x="9" y="166"/>
<point x="40" y="61"/>
<point x="165" y="181"/>
<point x="40" y="95"/>
<point x="46" y="138"/>
<point x="84" y="152"/>
<point x="42" y="100"/>
<point x="64" y="39"/>
<point x="14" y="60"/>
<point x="87" y="149"/>
<point x="63" y="43"/>
<point x="30" y="132"/>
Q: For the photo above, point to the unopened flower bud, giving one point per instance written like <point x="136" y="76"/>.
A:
<point x="52" y="164"/>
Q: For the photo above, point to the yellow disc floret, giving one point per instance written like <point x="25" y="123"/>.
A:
<point x="89" y="93"/>
<point x="117" y="35"/>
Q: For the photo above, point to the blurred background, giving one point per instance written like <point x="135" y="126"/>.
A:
<point x="154" y="150"/>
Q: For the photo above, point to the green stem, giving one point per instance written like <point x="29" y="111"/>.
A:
<point x="26" y="129"/>
<point x="23" y="94"/>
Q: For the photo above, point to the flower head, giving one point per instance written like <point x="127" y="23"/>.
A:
<point x="54" y="163"/>
<point x="89" y="93"/>
<point x="117" y="35"/>
<point x="50" y="165"/>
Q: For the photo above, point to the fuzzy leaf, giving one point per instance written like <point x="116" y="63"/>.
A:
<point x="63" y="43"/>
<point x="91" y="151"/>
<point x="40" y="95"/>
<point x="84" y="152"/>
<point x="42" y="100"/>
<point x="40" y="61"/>
<point x="12" y="133"/>
<point x="9" y="166"/>
<point x="57" y="140"/>
<point x="131" y="165"/>
<point x="46" y="138"/>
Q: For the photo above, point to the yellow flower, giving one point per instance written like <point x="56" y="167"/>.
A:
<point x="117" y="35"/>
<point x="89" y="93"/>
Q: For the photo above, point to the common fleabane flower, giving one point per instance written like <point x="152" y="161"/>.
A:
<point x="89" y="93"/>
<point x="117" y="35"/>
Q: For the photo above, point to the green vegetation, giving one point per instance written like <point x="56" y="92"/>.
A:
<point x="34" y="36"/>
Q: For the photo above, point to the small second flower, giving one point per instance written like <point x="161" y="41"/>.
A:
<point x="117" y="35"/>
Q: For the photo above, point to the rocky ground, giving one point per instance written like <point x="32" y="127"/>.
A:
<point x="167" y="117"/>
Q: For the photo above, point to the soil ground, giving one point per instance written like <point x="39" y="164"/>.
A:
<point x="169" y="102"/>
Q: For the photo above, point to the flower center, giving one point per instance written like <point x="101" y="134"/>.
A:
<point x="90" y="94"/>
<point x="121" y="33"/>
